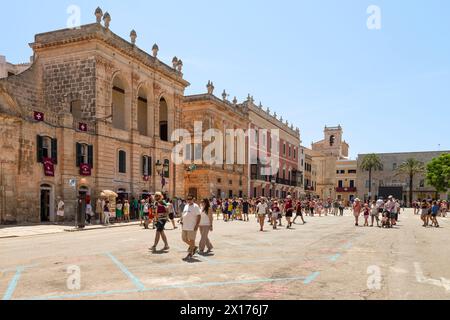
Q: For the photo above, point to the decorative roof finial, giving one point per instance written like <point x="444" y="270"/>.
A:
<point x="275" y="115"/>
<point x="235" y="101"/>
<point x="210" y="87"/>
<point x="133" y="36"/>
<point x="155" y="50"/>
<point x="224" y="95"/>
<point x="268" y="110"/>
<point x="107" y="19"/>
<point x="260" y="105"/>
<point x="174" y="62"/>
<point x="180" y="65"/>
<point x="99" y="14"/>
<point x="281" y="119"/>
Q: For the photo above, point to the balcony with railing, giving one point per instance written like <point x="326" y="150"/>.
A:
<point x="346" y="189"/>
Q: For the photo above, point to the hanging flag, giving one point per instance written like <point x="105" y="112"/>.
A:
<point x="38" y="116"/>
<point x="163" y="182"/>
<point x="85" y="170"/>
<point x="83" y="127"/>
<point x="49" y="167"/>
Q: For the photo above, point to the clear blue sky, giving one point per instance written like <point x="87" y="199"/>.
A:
<point x="315" y="62"/>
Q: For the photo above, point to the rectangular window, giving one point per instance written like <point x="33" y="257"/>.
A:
<point x="198" y="150"/>
<point x="367" y="184"/>
<point x="422" y="183"/>
<point x="122" y="162"/>
<point x="167" y="168"/>
<point x="352" y="183"/>
<point x="352" y="171"/>
<point x="340" y="184"/>
<point x="146" y="166"/>
<point x="47" y="148"/>
<point x="84" y="154"/>
<point x="394" y="166"/>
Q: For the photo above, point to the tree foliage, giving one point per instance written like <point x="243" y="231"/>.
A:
<point x="438" y="173"/>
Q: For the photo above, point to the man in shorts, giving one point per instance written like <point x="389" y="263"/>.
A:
<point x="190" y="220"/>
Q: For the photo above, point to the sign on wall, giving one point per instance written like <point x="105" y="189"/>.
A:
<point x="85" y="170"/>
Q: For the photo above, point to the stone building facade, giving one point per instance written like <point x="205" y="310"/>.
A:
<point x="388" y="177"/>
<point x="325" y="155"/>
<point x="93" y="109"/>
<point x="346" y="174"/>
<point x="223" y="179"/>
<point x="289" y="177"/>
<point x="8" y="69"/>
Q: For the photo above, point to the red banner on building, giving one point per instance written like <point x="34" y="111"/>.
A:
<point x="85" y="170"/>
<point x="38" y="116"/>
<point x="82" y="127"/>
<point x="49" y="167"/>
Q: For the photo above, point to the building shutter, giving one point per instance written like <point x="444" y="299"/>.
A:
<point x="144" y="166"/>
<point x="55" y="151"/>
<point x="91" y="156"/>
<point x="150" y="169"/>
<point x="78" y="154"/>
<point x="40" y="151"/>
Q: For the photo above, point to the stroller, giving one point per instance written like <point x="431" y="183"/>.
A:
<point x="386" y="220"/>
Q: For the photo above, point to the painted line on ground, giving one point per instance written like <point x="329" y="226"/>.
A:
<point x="311" y="278"/>
<point x="13" y="284"/>
<point x="335" y="257"/>
<point x="139" y="285"/>
<point x="182" y="286"/>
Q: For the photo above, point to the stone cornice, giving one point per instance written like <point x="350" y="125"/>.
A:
<point x="98" y="32"/>
<point x="212" y="98"/>
<point x="272" y="119"/>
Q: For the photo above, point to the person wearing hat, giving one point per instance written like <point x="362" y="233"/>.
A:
<point x="357" y="207"/>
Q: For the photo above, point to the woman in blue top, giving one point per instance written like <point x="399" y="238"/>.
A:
<point x="434" y="213"/>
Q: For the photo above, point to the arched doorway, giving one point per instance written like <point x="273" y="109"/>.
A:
<point x="46" y="203"/>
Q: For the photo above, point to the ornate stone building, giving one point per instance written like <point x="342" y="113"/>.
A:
<point x="227" y="178"/>
<point x="326" y="155"/>
<point x="289" y="177"/>
<point x="93" y="112"/>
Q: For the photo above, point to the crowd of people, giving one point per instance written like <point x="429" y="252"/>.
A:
<point x="156" y="211"/>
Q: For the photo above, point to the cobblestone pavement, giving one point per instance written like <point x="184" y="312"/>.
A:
<point x="328" y="258"/>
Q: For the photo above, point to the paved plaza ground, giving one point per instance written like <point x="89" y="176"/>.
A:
<point x="328" y="258"/>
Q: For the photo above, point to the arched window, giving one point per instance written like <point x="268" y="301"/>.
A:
<point x="142" y="113"/>
<point x="332" y="140"/>
<point x="122" y="161"/>
<point x="118" y="104"/>
<point x="163" y="120"/>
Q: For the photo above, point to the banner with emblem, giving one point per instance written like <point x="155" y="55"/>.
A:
<point x="85" y="170"/>
<point x="49" y="167"/>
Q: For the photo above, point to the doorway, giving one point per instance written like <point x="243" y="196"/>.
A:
<point x="193" y="192"/>
<point x="46" y="203"/>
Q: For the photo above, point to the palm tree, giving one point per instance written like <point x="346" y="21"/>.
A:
<point x="411" y="167"/>
<point x="370" y="163"/>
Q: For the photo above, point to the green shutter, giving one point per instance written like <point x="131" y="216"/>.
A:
<point x="55" y="151"/>
<point x="40" y="151"/>
<point x="78" y="154"/>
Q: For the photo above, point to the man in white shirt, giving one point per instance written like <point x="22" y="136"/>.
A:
<point x="190" y="220"/>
